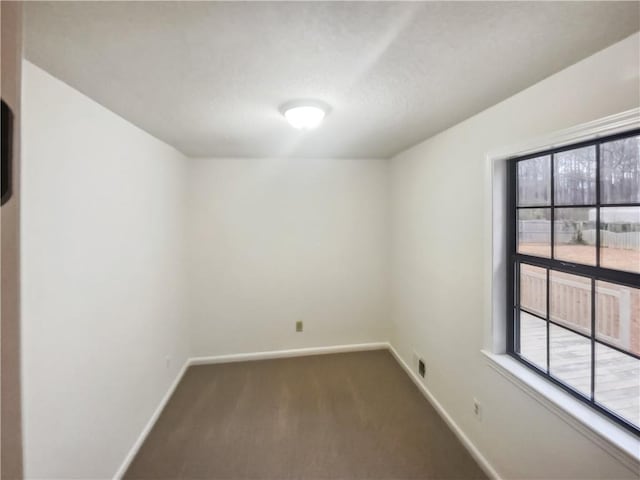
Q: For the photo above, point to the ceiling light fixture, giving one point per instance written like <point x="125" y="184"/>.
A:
<point x="304" y="115"/>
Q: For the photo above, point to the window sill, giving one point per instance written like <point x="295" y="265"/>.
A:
<point x="614" y="439"/>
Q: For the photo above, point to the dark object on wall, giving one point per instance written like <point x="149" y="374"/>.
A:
<point x="7" y="148"/>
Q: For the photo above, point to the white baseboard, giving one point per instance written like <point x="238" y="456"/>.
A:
<point x="298" y="352"/>
<point x="472" y="449"/>
<point x="147" y="428"/>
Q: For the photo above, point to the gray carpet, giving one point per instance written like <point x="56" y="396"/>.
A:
<point x="341" y="416"/>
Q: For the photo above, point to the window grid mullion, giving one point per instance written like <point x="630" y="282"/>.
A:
<point x="598" y="202"/>
<point x="580" y="205"/>
<point x="553" y="213"/>
<point x="593" y="339"/>
<point x="553" y="254"/>
<point x="593" y="281"/>
<point x="547" y="322"/>
<point x="517" y="304"/>
<point x="605" y="274"/>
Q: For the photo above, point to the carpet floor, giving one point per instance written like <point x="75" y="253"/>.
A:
<point x="340" y="416"/>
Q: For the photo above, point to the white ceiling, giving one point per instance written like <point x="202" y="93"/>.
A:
<point x="208" y="77"/>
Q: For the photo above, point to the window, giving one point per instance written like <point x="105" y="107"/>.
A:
<point x="574" y="271"/>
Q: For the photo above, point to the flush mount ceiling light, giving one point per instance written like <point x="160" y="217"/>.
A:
<point x="304" y="115"/>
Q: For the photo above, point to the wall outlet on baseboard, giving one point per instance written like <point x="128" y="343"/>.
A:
<point x="299" y="326"/>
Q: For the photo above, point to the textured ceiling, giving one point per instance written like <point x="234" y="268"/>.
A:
<point x="208" y="77"/>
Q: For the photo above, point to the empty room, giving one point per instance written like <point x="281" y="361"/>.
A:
<point x="320" y="240"/>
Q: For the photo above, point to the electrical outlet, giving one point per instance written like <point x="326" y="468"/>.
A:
<point x="167" y="362"/>
<point x="477" y="409"/>
<point x="299" y="326"/>
<point x="422" y="369"/>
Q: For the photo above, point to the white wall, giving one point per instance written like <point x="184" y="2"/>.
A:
<point x="438" y="260"/>
<point x="103" y="299"/>
<point x="278" y="240"/>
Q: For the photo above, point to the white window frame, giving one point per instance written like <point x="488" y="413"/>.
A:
<point x="620" y="443"/>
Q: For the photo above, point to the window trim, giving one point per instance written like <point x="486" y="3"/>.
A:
<point x="614" y="439"/>
<point x="592" y="272"/>
<point x="608" y="435"/>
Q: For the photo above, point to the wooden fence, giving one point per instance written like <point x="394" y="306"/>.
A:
<point x="537" y="231"/>
<point x="623" y="240"/>
<point x="570" y="305"/>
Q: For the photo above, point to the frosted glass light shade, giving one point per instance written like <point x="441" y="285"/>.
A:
<point x="304" y="117"/>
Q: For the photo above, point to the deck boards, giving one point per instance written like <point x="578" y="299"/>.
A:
<point x="617" y="379"/>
